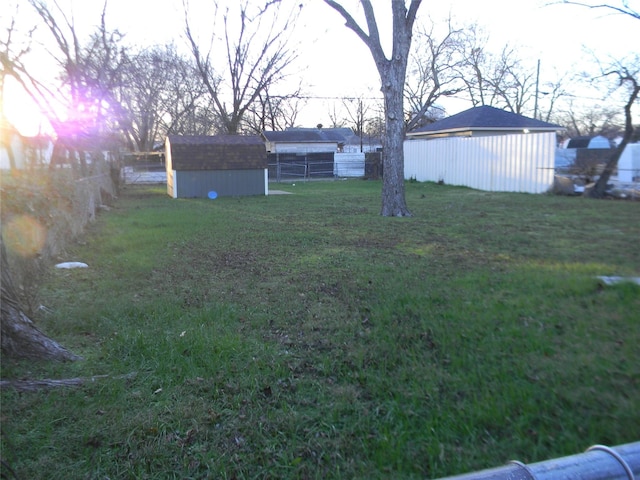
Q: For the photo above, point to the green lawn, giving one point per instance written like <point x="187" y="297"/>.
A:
<point x="304" y="336"/>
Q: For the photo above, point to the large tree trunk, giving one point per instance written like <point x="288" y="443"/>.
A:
<point x="392" y="76"/>
<point x="600" y="188"/>
<point x="393" y="197"/>
<point x="19" y="336"/>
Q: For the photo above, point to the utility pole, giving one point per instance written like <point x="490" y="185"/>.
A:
<point x="535" y="106"/>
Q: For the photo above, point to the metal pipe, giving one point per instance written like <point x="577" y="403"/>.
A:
<point x="599" y="462"/>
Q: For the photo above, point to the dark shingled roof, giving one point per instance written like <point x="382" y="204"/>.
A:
<point x="486" y="118"/>
<point x="219" y="152"/>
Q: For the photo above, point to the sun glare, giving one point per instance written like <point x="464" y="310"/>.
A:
<point x="22" y="112"/>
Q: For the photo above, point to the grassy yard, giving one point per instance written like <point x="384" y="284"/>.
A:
<point x="304" y="336"/>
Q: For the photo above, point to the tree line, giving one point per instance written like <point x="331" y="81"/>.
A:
<point x="237" y="77"/>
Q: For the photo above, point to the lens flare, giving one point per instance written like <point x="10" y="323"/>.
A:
<point x="25" y="236"/>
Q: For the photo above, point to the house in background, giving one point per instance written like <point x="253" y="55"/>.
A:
<point x="297" y="153"/>
<point x="20" y="152"/>
<point x="222" y="165"/>
<point x="484" y="148"/>
<point x="12" y="151"/>
<point x="338" y="140"/>
<point x="307" y="140"/>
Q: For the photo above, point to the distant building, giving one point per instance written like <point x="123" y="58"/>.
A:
<point x="484" y="148"/>
<point x="23" y="151"/>
<point x="307" y="140"/>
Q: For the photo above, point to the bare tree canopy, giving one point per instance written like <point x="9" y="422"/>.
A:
<point x="251" y="58"/>
<point x="622" y="6"/>
<point x="83" y="110"/>
<point x="274" y="112"/>
<point x="161" y="94"/>
<point x="392" y="73"/>
<point x="433" y="71"/>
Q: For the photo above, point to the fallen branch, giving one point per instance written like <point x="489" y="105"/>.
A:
<point x="35" y="385"/>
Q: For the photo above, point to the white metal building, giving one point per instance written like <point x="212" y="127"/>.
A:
<point x="484" y="148"/>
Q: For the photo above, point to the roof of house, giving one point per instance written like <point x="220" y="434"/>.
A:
<point x="485" y="118"/>
<point x="215" y="140"/>
<point x="309" y="135"/>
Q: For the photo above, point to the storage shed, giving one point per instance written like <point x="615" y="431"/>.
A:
<point x="200" y="166"/>
<point x="484" y="148"/>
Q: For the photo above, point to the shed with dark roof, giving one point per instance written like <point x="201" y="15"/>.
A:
<point x="200" y="166"/>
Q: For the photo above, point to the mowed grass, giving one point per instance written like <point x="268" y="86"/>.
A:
<point x="304" y="336"/>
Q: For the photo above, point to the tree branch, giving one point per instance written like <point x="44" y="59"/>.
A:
<point x="36" y="385"/>
<point x="625" y="10"/>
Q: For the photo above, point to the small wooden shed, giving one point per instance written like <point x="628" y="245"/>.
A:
<point x="200" y="166"/>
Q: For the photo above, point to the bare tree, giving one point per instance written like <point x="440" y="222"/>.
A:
<point x="252" y="57"/>
<point x="336" y="116"/>
<point x="274" y="112"/>
<point x="548" y="94"/>
<point x="621" y="7"/>
<point x="147" y="73"/>
<point x="627" y="76"/>
<point x="511" y="82"/>
<point x="502" y="80"/>
<point x="392" y="71"/>
<point x="433" y="72"/>
<point x="91" y="71"/>
<point x="589" y="120"/>
<point x="357" y="111"/>
<point x="160" y="94"/>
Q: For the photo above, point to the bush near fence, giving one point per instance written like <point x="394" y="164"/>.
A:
<point x="43" y="211"/>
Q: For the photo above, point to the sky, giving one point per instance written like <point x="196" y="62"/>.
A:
<point x="335" y="63"/>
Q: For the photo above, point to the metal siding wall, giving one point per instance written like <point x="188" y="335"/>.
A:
<point x="500" y="163"/>
<point x="223" y="182"/>
<point x="348" y="164"/>
<point x="629" y="163"/>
